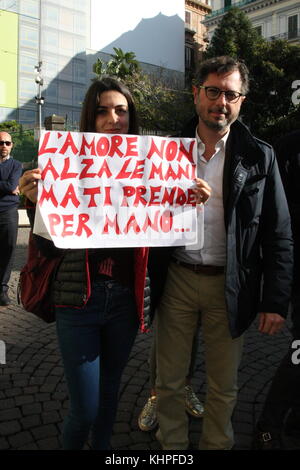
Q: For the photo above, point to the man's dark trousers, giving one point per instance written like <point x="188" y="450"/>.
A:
<point x="8" y="238"/>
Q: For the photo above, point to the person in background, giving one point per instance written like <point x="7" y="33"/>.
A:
<point x="284" y="393"/>
<point x="10" y="172"/>
<point x="96" y="331"/>
<point x="247" y="240"/>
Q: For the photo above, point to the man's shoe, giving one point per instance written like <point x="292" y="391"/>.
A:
<point x="148" y="419"/>
<point x="266" y="441"/>
<point x="193" y="405"/>
<point x="4" y="299"/>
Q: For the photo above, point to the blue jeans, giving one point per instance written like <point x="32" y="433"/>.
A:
<point x="95" y="344"/>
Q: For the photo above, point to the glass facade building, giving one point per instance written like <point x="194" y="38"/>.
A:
<point x="56" y="33"/>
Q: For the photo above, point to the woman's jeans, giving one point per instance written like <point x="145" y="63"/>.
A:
<point x="95" y="344"/>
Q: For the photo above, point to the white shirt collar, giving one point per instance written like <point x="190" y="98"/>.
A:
<point x="5" y="158"/>
<point x="220" y="145"/>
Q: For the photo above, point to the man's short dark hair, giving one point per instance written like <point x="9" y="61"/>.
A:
<point x="223" y="64"/>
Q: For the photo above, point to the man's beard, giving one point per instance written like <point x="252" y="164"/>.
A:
<point x="217" y="125"/>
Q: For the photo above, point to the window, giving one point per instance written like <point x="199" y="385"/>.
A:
<point x="78" y="95"/>
<point x="50" y="40"/>
<point x="80" y="70"/>
<point x="50" y="16"/>
<point x="27" y="116"/>
<point x="49" y="66"/>
<point x="80" y="5"/>
<point x="7" y="114"/>
<point x="67" y="114"/>
<point x="187" y="17"/>
<point x="76" y="119"/>
<point x="258" y="29"/>
<point x="79" y="24"/>
<point x="51" y="92"/>
<point x="29" y="8"/>
<point x="69" y="3"/>
<point x="79" y="44"/>
<point x="49" y="110"/>
<point x="64" y="93"/>
<point x="66" y="43"/>
<point x="29" y="37"/>
<point x="66" y="20"/>
<point x="189" y="58"/>
<point x="27" y="88"/>
<point x="66" y="70"/>
<point x="292" y="26"/>
<point x="27" y="63"/>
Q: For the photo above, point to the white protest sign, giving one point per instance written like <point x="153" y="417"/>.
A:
<point x="100" y="190"/>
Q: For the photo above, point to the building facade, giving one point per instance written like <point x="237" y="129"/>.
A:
<point x="54" y="36"/>
<point x="196" y="38"/>
<point x="273" y="19"/>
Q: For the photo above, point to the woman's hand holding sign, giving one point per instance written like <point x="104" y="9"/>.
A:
<point x="28" y="184"/>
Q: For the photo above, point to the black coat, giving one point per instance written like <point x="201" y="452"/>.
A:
<point x="259" y="241"/>
<point x="288" y="156"/>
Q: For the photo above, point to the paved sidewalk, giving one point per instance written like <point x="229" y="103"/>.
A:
<point x="33" y="395"/>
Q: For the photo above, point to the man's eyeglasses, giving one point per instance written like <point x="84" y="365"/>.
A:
<point x="6" y="142"/>
<point x="213" y="93"/>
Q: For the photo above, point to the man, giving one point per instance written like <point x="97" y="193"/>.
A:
<point x="284" y="393"/>
<point x="10" y="172"/>
<point x="247" y="236"/>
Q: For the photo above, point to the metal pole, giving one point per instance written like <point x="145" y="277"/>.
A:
<point x="39" y="99"/>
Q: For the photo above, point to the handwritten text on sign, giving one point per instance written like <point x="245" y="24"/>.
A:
<point x="102" y="190"/>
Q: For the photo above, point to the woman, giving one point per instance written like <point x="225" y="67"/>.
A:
<point x="96" y="331"/>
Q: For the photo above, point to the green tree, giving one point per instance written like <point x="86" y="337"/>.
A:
<point x="273" y="66"/>
<point x="25" y="147"/>
<point x="277" y="65"/>
<point x="235" y="36"/>
<point x="10" y="126"/>
<point x="121" y="65"/>
<point x="161" y="108"/>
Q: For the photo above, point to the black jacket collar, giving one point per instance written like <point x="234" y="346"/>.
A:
<point x="242" y="145"/>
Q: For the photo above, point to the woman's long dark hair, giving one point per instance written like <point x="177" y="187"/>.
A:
<point x="91" y="102"/>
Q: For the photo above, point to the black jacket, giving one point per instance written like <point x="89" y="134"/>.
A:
<point x="288" y="156"/>
<point x="259" y="241"/>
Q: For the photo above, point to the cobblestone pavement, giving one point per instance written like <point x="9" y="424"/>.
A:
<point x="33" y="395"/>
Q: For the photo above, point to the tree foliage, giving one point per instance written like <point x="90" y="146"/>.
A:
<point x="235" y="37"/>
<point x="161" y="108"/>
<point x="121" y="65"/>
<point x="273" y="66"/>
<point x="25" y="147"/>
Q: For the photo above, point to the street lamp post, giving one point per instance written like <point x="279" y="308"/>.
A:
<point x="39" y="99"/>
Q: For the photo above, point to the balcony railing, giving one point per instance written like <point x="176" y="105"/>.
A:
<point x="290" y="36"/>
<point x="225" y="9"/>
